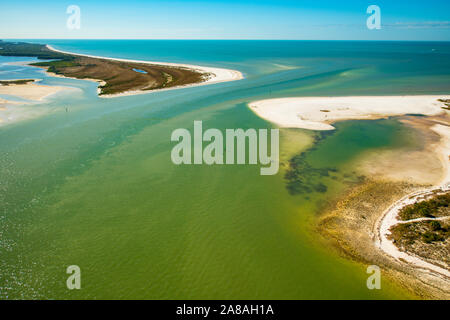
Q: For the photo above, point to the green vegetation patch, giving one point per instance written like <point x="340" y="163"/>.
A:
<point x="23" y="49"/>
<point x="425" y="231"/>
<point x="118" y="76"/>
<point x="436" y="207"/>
<point x="56" y="64"/>
<point x="21" y="81"/>
<point x="427" y="238"/>
<point x="446" y="102"/>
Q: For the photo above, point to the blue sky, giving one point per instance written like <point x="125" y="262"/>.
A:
<point x="231" y="19"/>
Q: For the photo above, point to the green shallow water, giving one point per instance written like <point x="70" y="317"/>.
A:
<point x="95" y="187"/>
<point x="140" y="227"/>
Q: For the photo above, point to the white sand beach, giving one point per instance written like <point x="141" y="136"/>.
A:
<point x="12" y="110"/>
<point x="31" y="90"/>
<point x="218" y="75"/>
<point x="317" y="113"/>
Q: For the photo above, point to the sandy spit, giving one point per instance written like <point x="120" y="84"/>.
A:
<point x="317" y="113"/>
<point x="218" y="75"/>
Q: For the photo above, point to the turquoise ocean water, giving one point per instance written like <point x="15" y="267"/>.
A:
<point x="95" y="186"/>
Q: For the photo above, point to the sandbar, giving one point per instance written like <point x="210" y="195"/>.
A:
<point x="318" y="113"/>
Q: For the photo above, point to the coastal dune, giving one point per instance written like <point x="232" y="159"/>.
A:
<point x="317" y="113"/>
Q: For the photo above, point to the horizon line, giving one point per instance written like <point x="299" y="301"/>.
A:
<point x="212" y="39"/>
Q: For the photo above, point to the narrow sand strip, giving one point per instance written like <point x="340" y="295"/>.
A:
<point x="316" y="113"/>
<point x="218" y="75"/>
<point x="422" y="219"/>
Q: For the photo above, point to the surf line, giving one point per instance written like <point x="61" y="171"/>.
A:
<point x="237" y="141"/>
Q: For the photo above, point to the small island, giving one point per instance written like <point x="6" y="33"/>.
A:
<point x="117" y="76"/>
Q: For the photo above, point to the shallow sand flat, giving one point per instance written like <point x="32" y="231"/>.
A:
<point x="2" y="109"/>
<point x="401" y="164"/>
<point x="358" y="224"/>
<point x="3" y="104"/>
<point x="316" y="113"/>
<point x="30" y="91"/>
<point x="218" y="75"/>
<point x="16" y="113"/>
<point x="12" y="111"/>
<point x="443" y="148"/>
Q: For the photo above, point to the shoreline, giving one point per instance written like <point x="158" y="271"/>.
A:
<point x="219" y="74"/>
<point x="351" y="224"/>
<point x="318" y="113"/>
<point x="32" y="91"/>
<point x="357" y="225"/>
<point x="389" y="218"/>
<point x="30" y="94"/>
